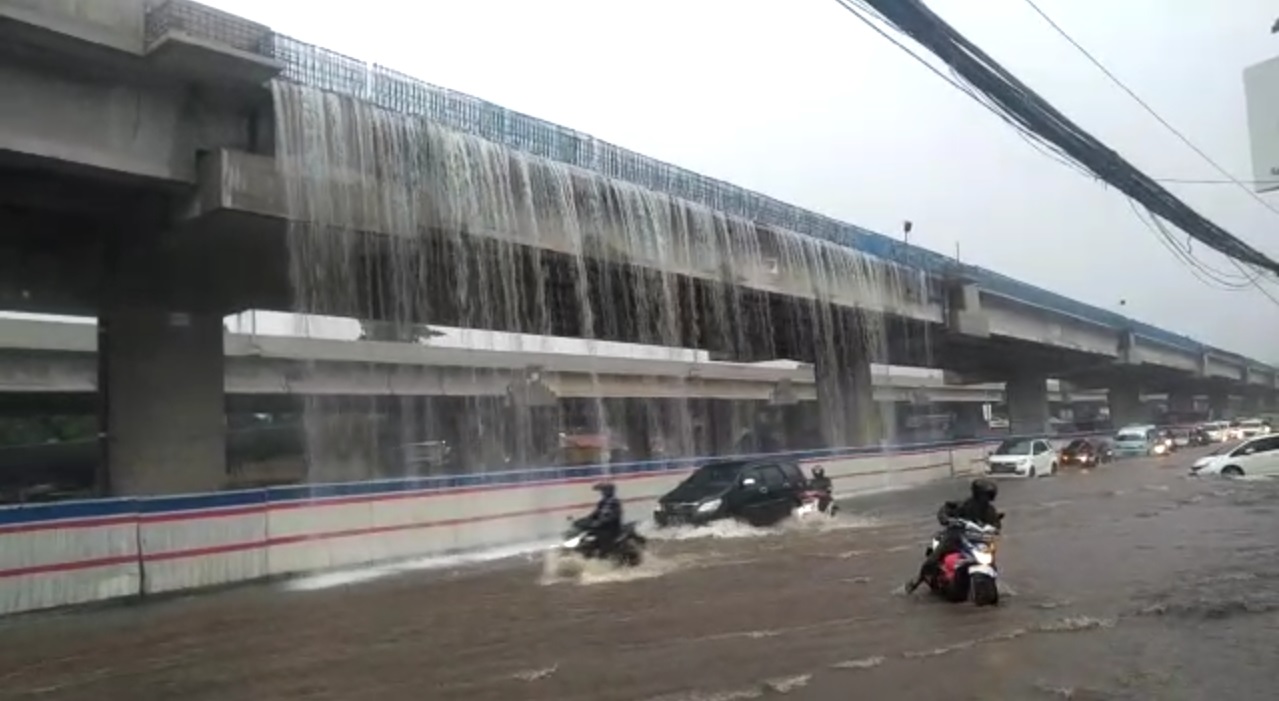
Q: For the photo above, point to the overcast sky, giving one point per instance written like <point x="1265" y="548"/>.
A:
<point x="799" y="100"/>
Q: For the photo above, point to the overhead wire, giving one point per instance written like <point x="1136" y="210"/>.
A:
<point x="1035" y="140"/>
<point x="1209" y="277"/>
<point x="1252" y="278"/>
<point x="1025" y="108"/>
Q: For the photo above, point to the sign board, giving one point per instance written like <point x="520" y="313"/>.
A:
<point x="1261" y="90"/>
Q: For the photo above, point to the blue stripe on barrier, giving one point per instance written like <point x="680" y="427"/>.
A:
<point x="64" y="510"/>
<point x="193" y="503"/>
<point x="197" y="502"/>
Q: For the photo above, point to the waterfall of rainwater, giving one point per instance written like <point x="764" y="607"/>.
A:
<point x="397" y="218"/>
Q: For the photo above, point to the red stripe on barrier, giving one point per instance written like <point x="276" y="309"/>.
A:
<point x="227" y="512"/>
<point x="349" y="533"/>
<point x="374" y="530"/>
<point x="893" y="471"/>
<point x="91" y="522"/>
<point x="455" y="491"/>
<point x="53" y="567"/>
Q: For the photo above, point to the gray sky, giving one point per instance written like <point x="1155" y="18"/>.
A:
<point x="799" y="100"/>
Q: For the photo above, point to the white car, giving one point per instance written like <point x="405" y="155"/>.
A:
<point x="1251" y="428"/>
<point x="1257" y="456"/>
<point x="1217" y="430"/>
<point x="1024" y="457"/>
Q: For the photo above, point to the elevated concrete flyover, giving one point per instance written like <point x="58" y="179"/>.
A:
<point x="158" y="119"/>
<point x="39" y="359"/>
<point x="1039" y="335"/>
<point x="771" y="283"/>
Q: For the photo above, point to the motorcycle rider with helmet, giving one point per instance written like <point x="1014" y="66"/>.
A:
<point x="819" y="482"/>
<point x="979" y="508"/>
<point x="605" y="521"/>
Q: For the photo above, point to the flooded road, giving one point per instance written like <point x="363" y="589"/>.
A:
<point x="1128" y="582"/>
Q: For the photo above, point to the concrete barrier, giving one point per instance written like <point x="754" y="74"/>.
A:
<point x="202" y="540"/>
<point x="68" y="553"/>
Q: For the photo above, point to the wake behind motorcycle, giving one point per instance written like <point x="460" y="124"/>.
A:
<point x="627" y="550"/>
<point x="810" y="505"/>
<point x="970" y="571"/>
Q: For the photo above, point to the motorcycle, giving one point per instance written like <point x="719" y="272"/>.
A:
<point x="970" y="572"/>
<point x="627" y="550"/>
<point x="810" y="505"/>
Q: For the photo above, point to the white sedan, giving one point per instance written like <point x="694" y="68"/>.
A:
<point x="1023" y="457"/>
<point x="1258" y="456"/>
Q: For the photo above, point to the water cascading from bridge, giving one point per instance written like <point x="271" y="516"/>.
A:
<point x="397" y="218"/>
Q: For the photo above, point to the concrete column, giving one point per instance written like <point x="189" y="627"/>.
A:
<point x="969" y="420"/>
<point x="1181" y="402"/>
<point x="845" y="398"/>
<point x="1027" y="396"/>
<point x="1219" y="405"/>
<point x="1269" y="402"/>
<point x="161" y="378"/>
<point x="1250" y="405"/>
<point x="797" y="423"/>
<point x="1125" y="405"/>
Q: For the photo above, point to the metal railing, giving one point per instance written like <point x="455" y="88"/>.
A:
<point x="206" y="23"/>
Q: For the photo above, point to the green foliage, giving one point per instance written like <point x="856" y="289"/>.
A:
<point x="53" y="428"/>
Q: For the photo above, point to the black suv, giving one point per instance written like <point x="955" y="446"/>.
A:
<point x="759" y="492"/>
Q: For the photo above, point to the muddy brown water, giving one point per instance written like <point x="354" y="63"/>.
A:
<point x="1127" y="582"/>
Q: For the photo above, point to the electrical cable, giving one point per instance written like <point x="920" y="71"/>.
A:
<point x="1023" y="107"/>
<point x="1253" y="278"/>
<point x="1208" y="276"/>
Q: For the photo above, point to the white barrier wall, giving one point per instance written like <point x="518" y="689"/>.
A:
<point x="61" y="554"/>
<point x="75" y="552"/>
<point x="202" y="540"/>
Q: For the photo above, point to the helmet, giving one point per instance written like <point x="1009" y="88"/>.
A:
<point x="819" y="471"/>
<point x="984" y="489"/>
<point x="605" y="488"/>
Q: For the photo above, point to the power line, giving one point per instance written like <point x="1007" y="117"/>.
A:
<point x="1019" y="103"/>
<point x="1211" y="181"/>
<point x="1167" y="125"/>
<point x="1146" y="106"/>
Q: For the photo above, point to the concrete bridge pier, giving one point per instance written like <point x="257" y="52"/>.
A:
<point x="1026" y="393"/>
<point x="1181" y="402"/>
<point x="1126" y="406"/>
<point x="161" y="378"/>
<point x="1219" y="404"/>
<point x="1250" y="404"/>
<point x="969" y="420"/>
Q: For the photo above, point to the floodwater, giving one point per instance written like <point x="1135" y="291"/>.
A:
<point x="1128" y="582"/>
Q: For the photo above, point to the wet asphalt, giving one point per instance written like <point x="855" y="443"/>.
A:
<point x="1131" y="581"/>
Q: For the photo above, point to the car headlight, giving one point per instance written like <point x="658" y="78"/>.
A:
<point x="708" y="506"/>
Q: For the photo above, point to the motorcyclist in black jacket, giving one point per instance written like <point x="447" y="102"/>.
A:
<point x="819" y="482"/>
<point x="605" y="521"/>
<point x="978" y="508"/>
